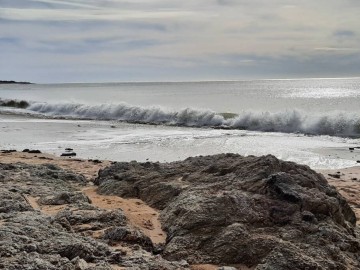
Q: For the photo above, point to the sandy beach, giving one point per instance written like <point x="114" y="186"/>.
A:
<point x="346" y="181"/>
<point x="179" y="135"/>
<point x="139" y="214"/>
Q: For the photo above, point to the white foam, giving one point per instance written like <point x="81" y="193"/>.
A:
<point x="335" y="124"/>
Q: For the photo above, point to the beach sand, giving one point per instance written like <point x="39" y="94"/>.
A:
<point x="347" y="182"/>
<point x="142" y="216"/>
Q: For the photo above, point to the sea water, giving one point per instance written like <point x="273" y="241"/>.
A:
<point x="298" y="120"/>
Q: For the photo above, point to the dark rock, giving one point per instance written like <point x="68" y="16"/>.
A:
<point x="71" y="154"/>
<point x="228" y="209"/>
<point x="8" y="151"/>
<point x="34" y="151"/>
<point x="351" y="148"/>
<point x="128" y="235"/>
<point x="96" y="219"/>
<point x="14" y="82"/>
<point x="69" y="149"/>
<point x="14" y="103"/>
<point x="337" y="176"/>
<point x="30" y="239"/>
<point x="13" y="202"/>
<point x="26" y="150"/>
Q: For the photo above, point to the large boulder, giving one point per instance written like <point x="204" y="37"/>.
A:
<point x="228" y="209"/>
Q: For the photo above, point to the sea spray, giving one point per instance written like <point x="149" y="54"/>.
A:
<point x="336" y="124"/>
<point x="294" y="121"/>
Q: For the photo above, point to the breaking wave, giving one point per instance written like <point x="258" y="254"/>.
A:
<point x="336" y="124"/>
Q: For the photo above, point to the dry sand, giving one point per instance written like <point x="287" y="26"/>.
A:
<point x="138" y="213"/>
<point x="347" y="182"/>
<point x="85" y="167"/>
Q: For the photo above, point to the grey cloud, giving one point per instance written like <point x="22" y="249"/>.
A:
<point x="344" y="33"/>
<point x="215" y="39"/>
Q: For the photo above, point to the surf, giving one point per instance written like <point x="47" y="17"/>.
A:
<point x="290" y="121"/>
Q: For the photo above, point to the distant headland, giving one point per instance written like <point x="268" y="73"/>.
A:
<point x="14" y="82"/>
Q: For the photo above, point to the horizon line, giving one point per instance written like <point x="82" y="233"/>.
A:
<point x="200" y="81"/>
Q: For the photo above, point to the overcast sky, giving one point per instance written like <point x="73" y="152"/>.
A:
<point x="172" y="40"/>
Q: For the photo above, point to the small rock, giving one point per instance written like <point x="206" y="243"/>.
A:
<point x="71" y="154"/>
<point x="26" y="150"/>
<point x="69" y="149"/>
<point x="334" y="175"/>
<point x="351" y="148"/>
<point x="34" y="151"/>
<point x="7" y="151"/>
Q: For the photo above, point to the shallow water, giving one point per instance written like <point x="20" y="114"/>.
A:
<point x="126" y="142"/>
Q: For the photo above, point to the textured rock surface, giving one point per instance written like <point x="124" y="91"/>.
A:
<point x="228" y="209"/>
<point x="76" y="236"/>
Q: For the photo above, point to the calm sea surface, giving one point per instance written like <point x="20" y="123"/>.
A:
<point x="311" y="95"/>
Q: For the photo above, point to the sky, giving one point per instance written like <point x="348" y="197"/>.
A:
<point x="50" y="41"/>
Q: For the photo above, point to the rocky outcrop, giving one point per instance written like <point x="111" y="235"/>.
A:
<point x="225" y="209"/>
<point x="228" y="209"/>
<point x="72" y="234"/>
<point x="13" y="82"/>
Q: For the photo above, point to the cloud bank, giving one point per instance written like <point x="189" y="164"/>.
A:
<point x="158" y="40"/>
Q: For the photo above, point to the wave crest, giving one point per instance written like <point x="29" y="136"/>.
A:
<point x="126" y="112"/>
<point x="336" y="124"/>
<point x="21" y="104"/>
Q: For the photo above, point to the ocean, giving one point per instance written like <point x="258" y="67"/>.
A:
<point x="309" y="121"/>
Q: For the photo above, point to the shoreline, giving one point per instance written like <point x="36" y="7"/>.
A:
<point x="127" y="142"/>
